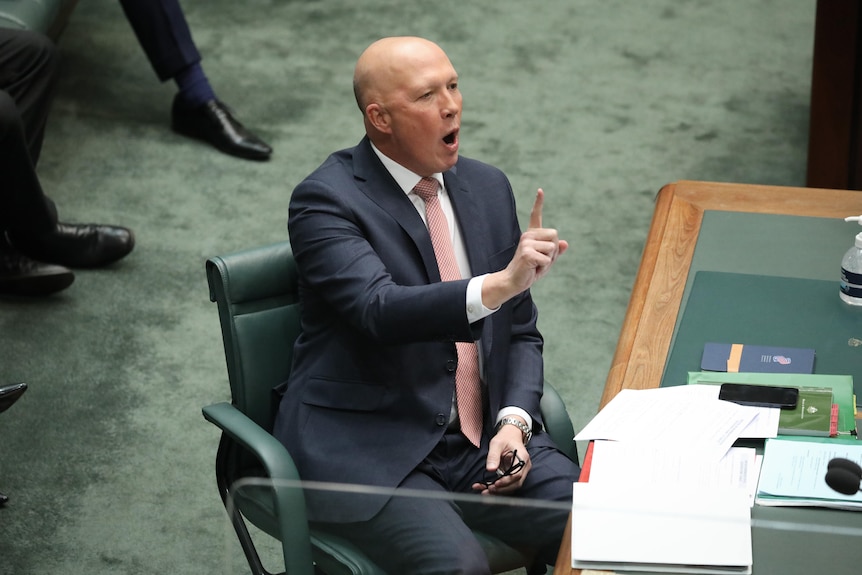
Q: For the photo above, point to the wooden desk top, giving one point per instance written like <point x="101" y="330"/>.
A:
<point x="659" y="286"/>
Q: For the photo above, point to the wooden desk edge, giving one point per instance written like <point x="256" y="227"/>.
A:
<point x="647" y="329"/>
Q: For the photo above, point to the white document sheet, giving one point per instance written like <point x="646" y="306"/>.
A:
<point x="686" y="417"/>
<point x="669" y="531"/>
<point x="636" y="466"/>
<point x="765" y="422"/>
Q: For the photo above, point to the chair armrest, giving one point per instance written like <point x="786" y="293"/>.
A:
<point x="269" y="450"/>
<point x="279" y="465"/>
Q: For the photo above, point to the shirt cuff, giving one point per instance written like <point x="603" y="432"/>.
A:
<point x="476" y="310"/>
<point x="512" y="410"/>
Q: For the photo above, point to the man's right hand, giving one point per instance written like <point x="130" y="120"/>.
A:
<point x="537" y="251"/>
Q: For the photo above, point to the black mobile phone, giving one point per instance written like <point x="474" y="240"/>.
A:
<point x="759" y="395"/>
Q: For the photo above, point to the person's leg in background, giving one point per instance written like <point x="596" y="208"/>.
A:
<point x="27" y="78"/>
<point x="31" y="238"/>
<point x="165" y="37"/>
<point x="22" y="203"/>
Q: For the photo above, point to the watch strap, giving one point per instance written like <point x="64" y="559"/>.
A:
<point x="528" y="433"/>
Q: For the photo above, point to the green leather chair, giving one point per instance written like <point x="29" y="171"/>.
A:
<point x="258" y="302"/>
<point x="47" y="16"/>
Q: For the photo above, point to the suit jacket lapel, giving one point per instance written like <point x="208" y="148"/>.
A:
<point x="473" y="231"/>
<point x="472" y="226"/>
<point x="377" y="183"/>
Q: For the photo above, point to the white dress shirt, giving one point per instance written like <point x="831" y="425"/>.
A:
<point x="474" y="308"/>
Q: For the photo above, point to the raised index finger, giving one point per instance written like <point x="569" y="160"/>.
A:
<point x="536" y="213"/>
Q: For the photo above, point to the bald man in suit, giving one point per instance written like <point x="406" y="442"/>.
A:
<point x="372" y="395"/>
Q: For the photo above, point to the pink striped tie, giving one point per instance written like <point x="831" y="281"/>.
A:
<point x="467" y="387"/>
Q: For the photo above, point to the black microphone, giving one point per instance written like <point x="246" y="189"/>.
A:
<point x="844" y="476"/>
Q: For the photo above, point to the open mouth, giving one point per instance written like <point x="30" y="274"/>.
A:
<point x="451" y="138"/>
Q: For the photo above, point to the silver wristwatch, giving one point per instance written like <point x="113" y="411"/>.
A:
<point x="528" y="433"/>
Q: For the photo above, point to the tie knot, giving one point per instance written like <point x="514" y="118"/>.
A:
<point x="426" y="188"/>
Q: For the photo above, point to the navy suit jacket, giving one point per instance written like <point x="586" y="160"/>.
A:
<point x="371" y="387"/>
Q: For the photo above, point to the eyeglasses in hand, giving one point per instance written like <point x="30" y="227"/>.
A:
<point x="515" y="465"/>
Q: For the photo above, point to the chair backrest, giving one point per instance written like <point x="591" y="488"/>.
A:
<point x="258" y="301"/>
<point x="557" y="422"/>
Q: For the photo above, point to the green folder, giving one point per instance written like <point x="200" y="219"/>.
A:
<point x="768" y="310"/>
<point x="841" y="386"/>
<point x="812" y="415"/>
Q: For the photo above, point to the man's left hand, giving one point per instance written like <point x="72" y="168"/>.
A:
<point x="508" y="439"/>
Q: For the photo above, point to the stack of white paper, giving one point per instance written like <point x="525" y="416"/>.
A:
<point x="633" y="466"/>
<point x="666" y="491"/>
<point x="670" y="531"/>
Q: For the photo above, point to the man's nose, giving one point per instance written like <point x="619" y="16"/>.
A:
<point x="451" y="106"/>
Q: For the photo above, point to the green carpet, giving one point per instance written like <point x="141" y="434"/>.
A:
<point x="107" y="459"/>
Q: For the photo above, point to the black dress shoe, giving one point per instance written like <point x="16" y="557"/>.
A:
<point x="21" y="276"/>
<point x="213" y="122"/>
<point x="9" y="394"/>
<point x="76" y="245"/>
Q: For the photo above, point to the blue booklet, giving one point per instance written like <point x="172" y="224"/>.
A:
<point x="738" y="357"/>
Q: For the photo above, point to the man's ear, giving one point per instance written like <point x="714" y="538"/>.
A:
<point x="378" y="117"/>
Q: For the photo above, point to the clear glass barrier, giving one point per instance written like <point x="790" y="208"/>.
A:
<point x="248" y="490"/>
<point x="786" y="540"/>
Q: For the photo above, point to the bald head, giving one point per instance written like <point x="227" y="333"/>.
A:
<point x="408" y="92"/>
<point x="385" y="63"/>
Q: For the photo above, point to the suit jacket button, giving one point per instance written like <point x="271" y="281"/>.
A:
<point x="451" y="365"/>
<point x="441" y="419"/>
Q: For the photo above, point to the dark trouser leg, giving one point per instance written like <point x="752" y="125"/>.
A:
<point x="163" y="34"/>
<point x="23" y="205"/>
<point x="537" y="528"/>
<point x="412" y="534"/>
<point x="28" y="75"/>
<point x="417" y="535"/>
<point x="534" y="528"/>
<point x="27" y="79"/>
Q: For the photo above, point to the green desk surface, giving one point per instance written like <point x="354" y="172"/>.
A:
<point x="773" y="280"/>
<point x="769" y="244"/>
<point x="767" y="307"/>
<point x="768" y="310"/>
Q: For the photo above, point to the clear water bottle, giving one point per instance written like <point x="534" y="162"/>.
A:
<point x="851" y="270"/>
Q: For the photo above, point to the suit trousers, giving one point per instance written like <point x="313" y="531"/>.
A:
<point x="434" y="535"/>
<point x="164" y="35"/>
<point x="27" y="81"/>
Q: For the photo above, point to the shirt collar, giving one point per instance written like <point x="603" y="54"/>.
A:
<point x="405" y="179"/>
